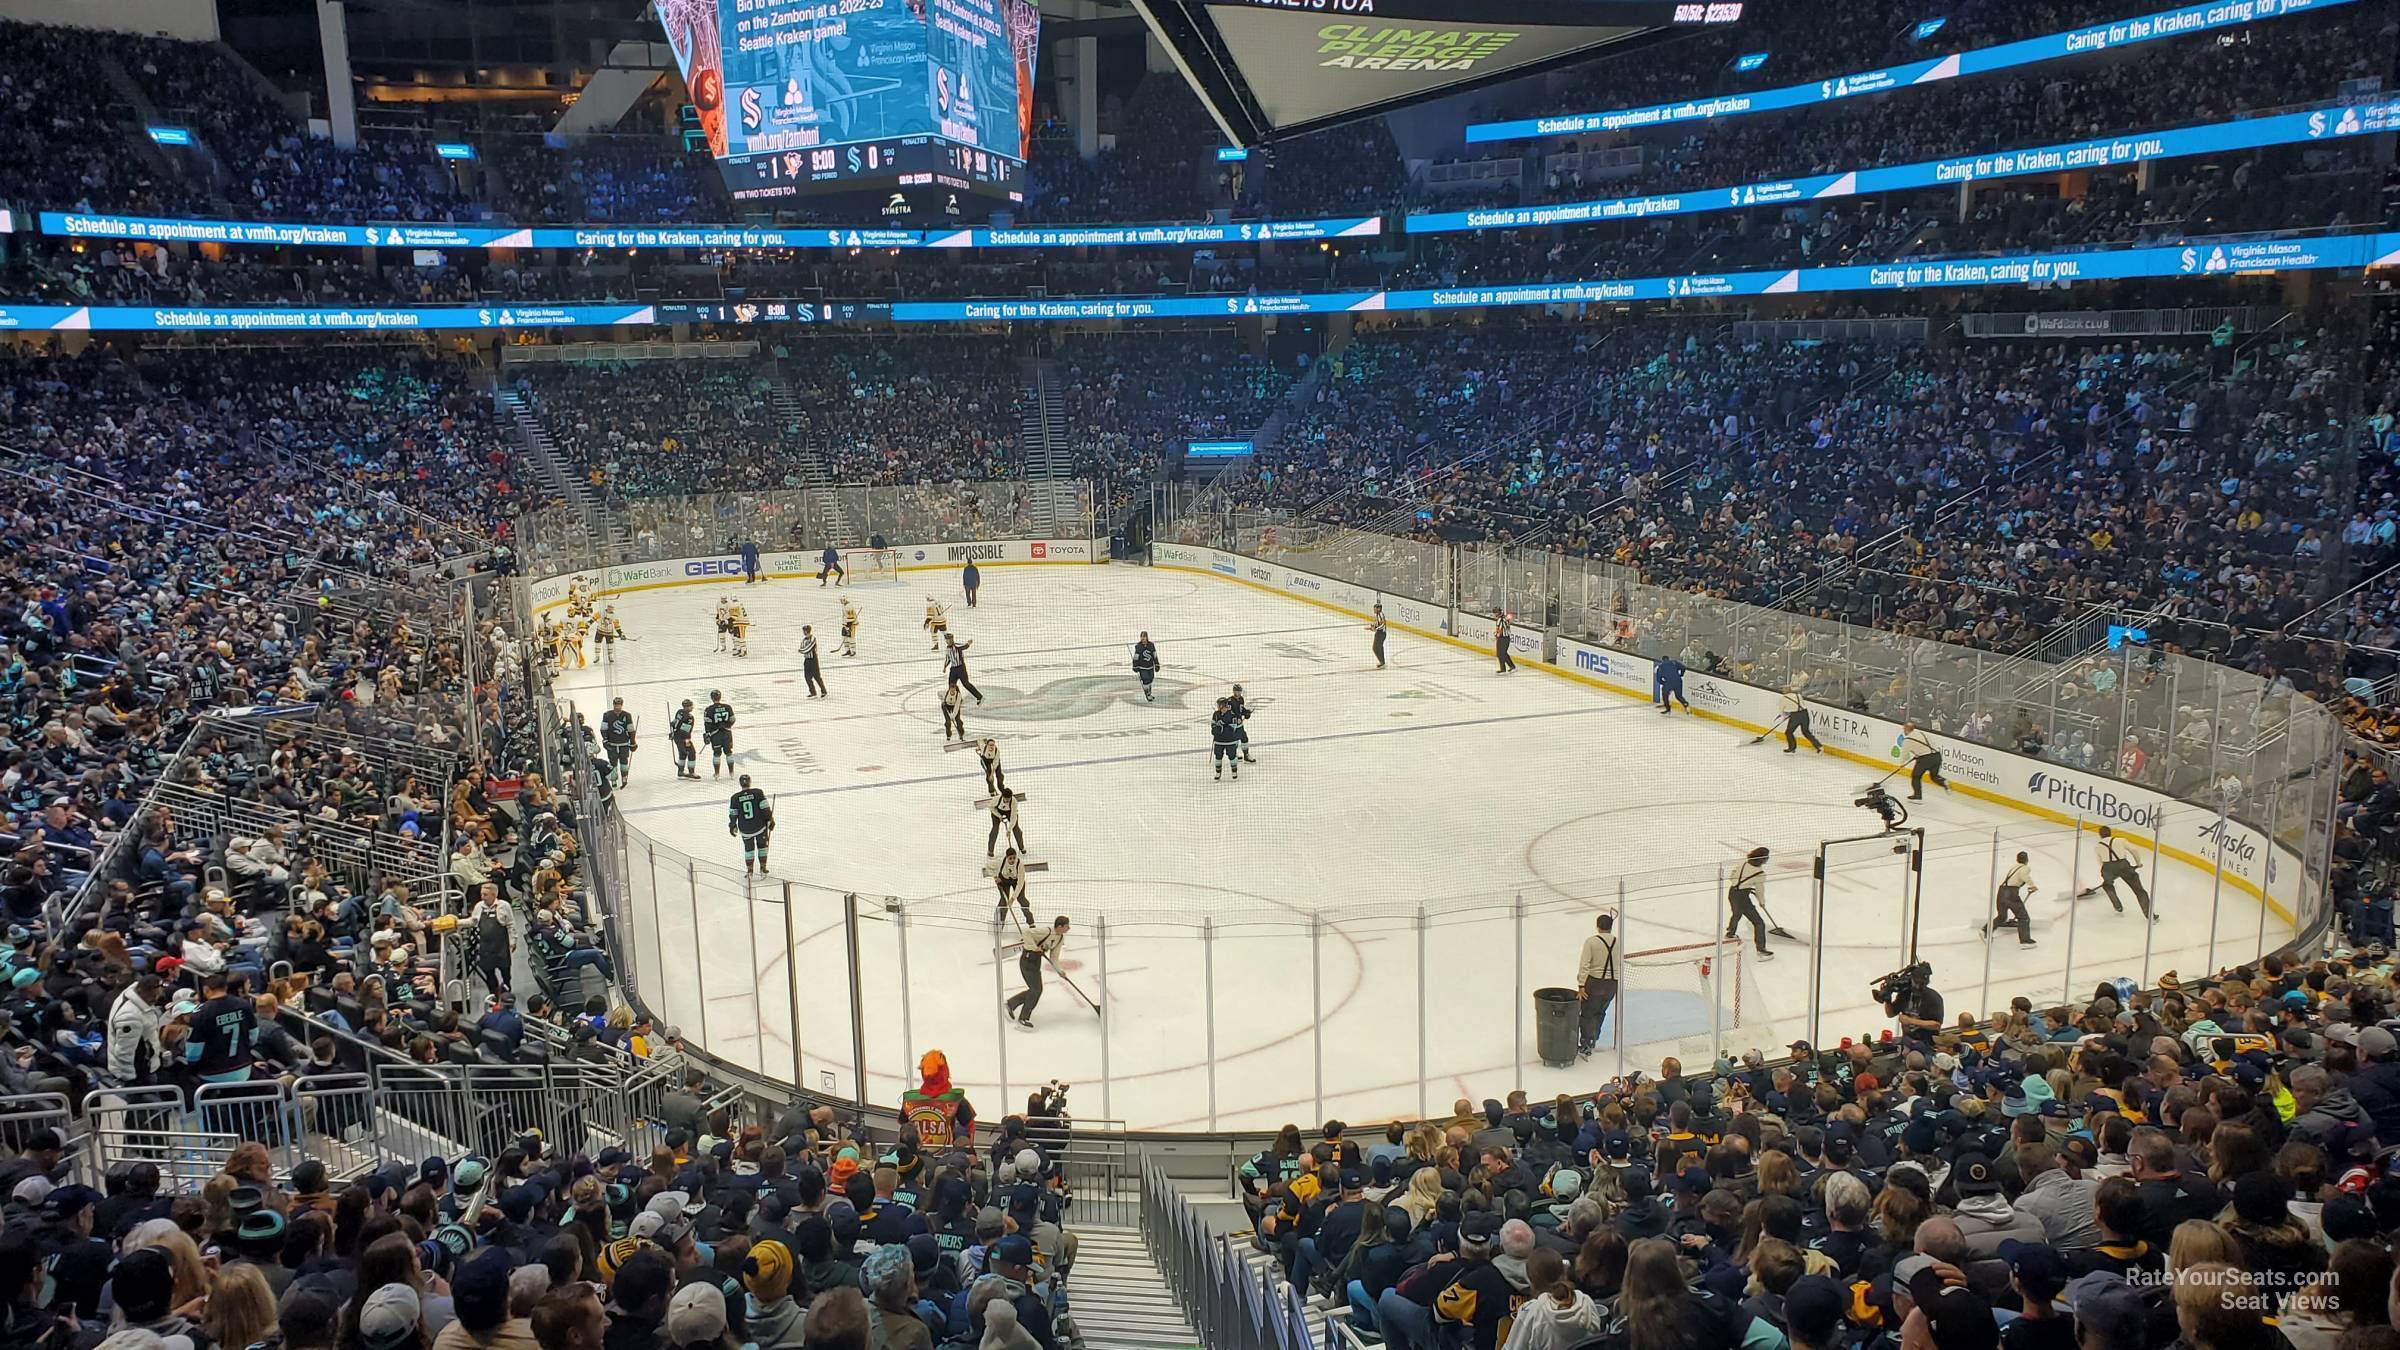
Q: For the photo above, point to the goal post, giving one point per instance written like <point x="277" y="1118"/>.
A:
<point x="871" y="564"/>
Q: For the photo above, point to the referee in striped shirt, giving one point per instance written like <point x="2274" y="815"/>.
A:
<point x="808" y="663"/>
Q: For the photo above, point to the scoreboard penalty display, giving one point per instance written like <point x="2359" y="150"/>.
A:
<point x="917" y="101"/>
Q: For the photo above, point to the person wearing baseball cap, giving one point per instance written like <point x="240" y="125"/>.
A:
<point x="2109" y="1313"/>
<point x="78" y="1261"/>
<point x="1012" y="1261"/>
<point x="696" y="1318"/>
<point x="1337" y="1230"/>
<point x="1984" y="1215"/>
<point x="391" y="1319"/>
<point x="479" y="1296"/>
<point x="1813" y="1309"/>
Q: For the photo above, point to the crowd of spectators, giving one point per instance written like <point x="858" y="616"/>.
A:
<point x="663" y="428"/>
<point x="629" y="179"/>
<point x="178" y="527"/>
<point x="2199" y="1165"/>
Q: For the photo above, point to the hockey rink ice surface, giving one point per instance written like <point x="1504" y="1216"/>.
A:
<point x="1512" y="809"/>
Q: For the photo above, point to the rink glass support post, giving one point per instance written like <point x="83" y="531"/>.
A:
<point x="2066" y="978"/>
<point x="858" y="1007"/>
<point x="2216" y="886"/>
<point x="791" y="989"/>
<point x="1422" y="1067"/>
<point x="1816" y="950"/>
<point x="2075" y="884"/>
<point x="1107" y="1111"/>
<point x="1616" y="1029"/>
<point x="1516" y="1018"/>
<point x="1912" y="916"/>
<point x="2155" y="836"/>
<point x="1208" y="991"/>
<point x="908" y="1028"/>
<point x="1316" y="1005"/>
<point x="1716" y="972"/>
<point x="1000" y="1005"/>
<point x="2216" y="740"/>
<point x="1991" y="934"/>
<point x="758" y="977"/>
<point x="691" y="890"/>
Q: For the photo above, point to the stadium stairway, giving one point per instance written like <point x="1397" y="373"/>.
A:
<point x="1118" y="1296"/>
<point x="829" y="520"/>
<point x="207" y="169"/>
<point x="552" y="470"/>
<point x="1044" y="444"/>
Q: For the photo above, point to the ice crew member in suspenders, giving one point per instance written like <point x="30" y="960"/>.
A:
<point x="954" y="718"/>
<point x="1795" y="723"/>
<point x="2009" y="904"/>
<point x="1009" y="878"/>
<point x="679" y="735"/>
<point x="749" y="816"/>
<point x="1741" y="899"/>
<point x="1005" y="823"/>
<point x="1596" y="981"/>
<point x="1923" y="761"/>
<point x="2117" y="864"/>
<point x="1033" y="950"/>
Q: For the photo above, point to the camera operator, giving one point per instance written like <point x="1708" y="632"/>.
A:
<point x="1908" y="996"/>
<point x="1046" y="1121"/>
<point x="1886" y="807"/>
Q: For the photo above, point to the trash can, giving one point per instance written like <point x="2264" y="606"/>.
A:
<point x="1556" y="1017"/>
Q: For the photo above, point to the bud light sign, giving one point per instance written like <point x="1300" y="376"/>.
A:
<point x="2098" y="802"/>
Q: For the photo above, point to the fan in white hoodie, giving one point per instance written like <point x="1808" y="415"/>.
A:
<point x="1559" y="1317"/>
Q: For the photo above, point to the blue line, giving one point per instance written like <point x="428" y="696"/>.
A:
<point x="977" y="775"/>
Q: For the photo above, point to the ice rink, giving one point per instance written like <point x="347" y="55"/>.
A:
<point x="1345" y="930"/>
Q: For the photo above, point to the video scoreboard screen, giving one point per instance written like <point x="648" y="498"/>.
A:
<point x="924" y="97"/>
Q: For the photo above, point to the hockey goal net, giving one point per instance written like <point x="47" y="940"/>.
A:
<point x="872" y="564"/>
<point x="1692" y="1001"/>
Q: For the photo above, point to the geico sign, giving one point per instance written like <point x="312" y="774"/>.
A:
<point x="713" y="567"/>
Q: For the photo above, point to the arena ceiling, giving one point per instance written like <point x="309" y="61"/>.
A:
<point x="1273" y="68"/>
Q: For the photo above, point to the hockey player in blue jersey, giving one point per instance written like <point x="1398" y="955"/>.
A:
<point x="1666" y="685"/>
